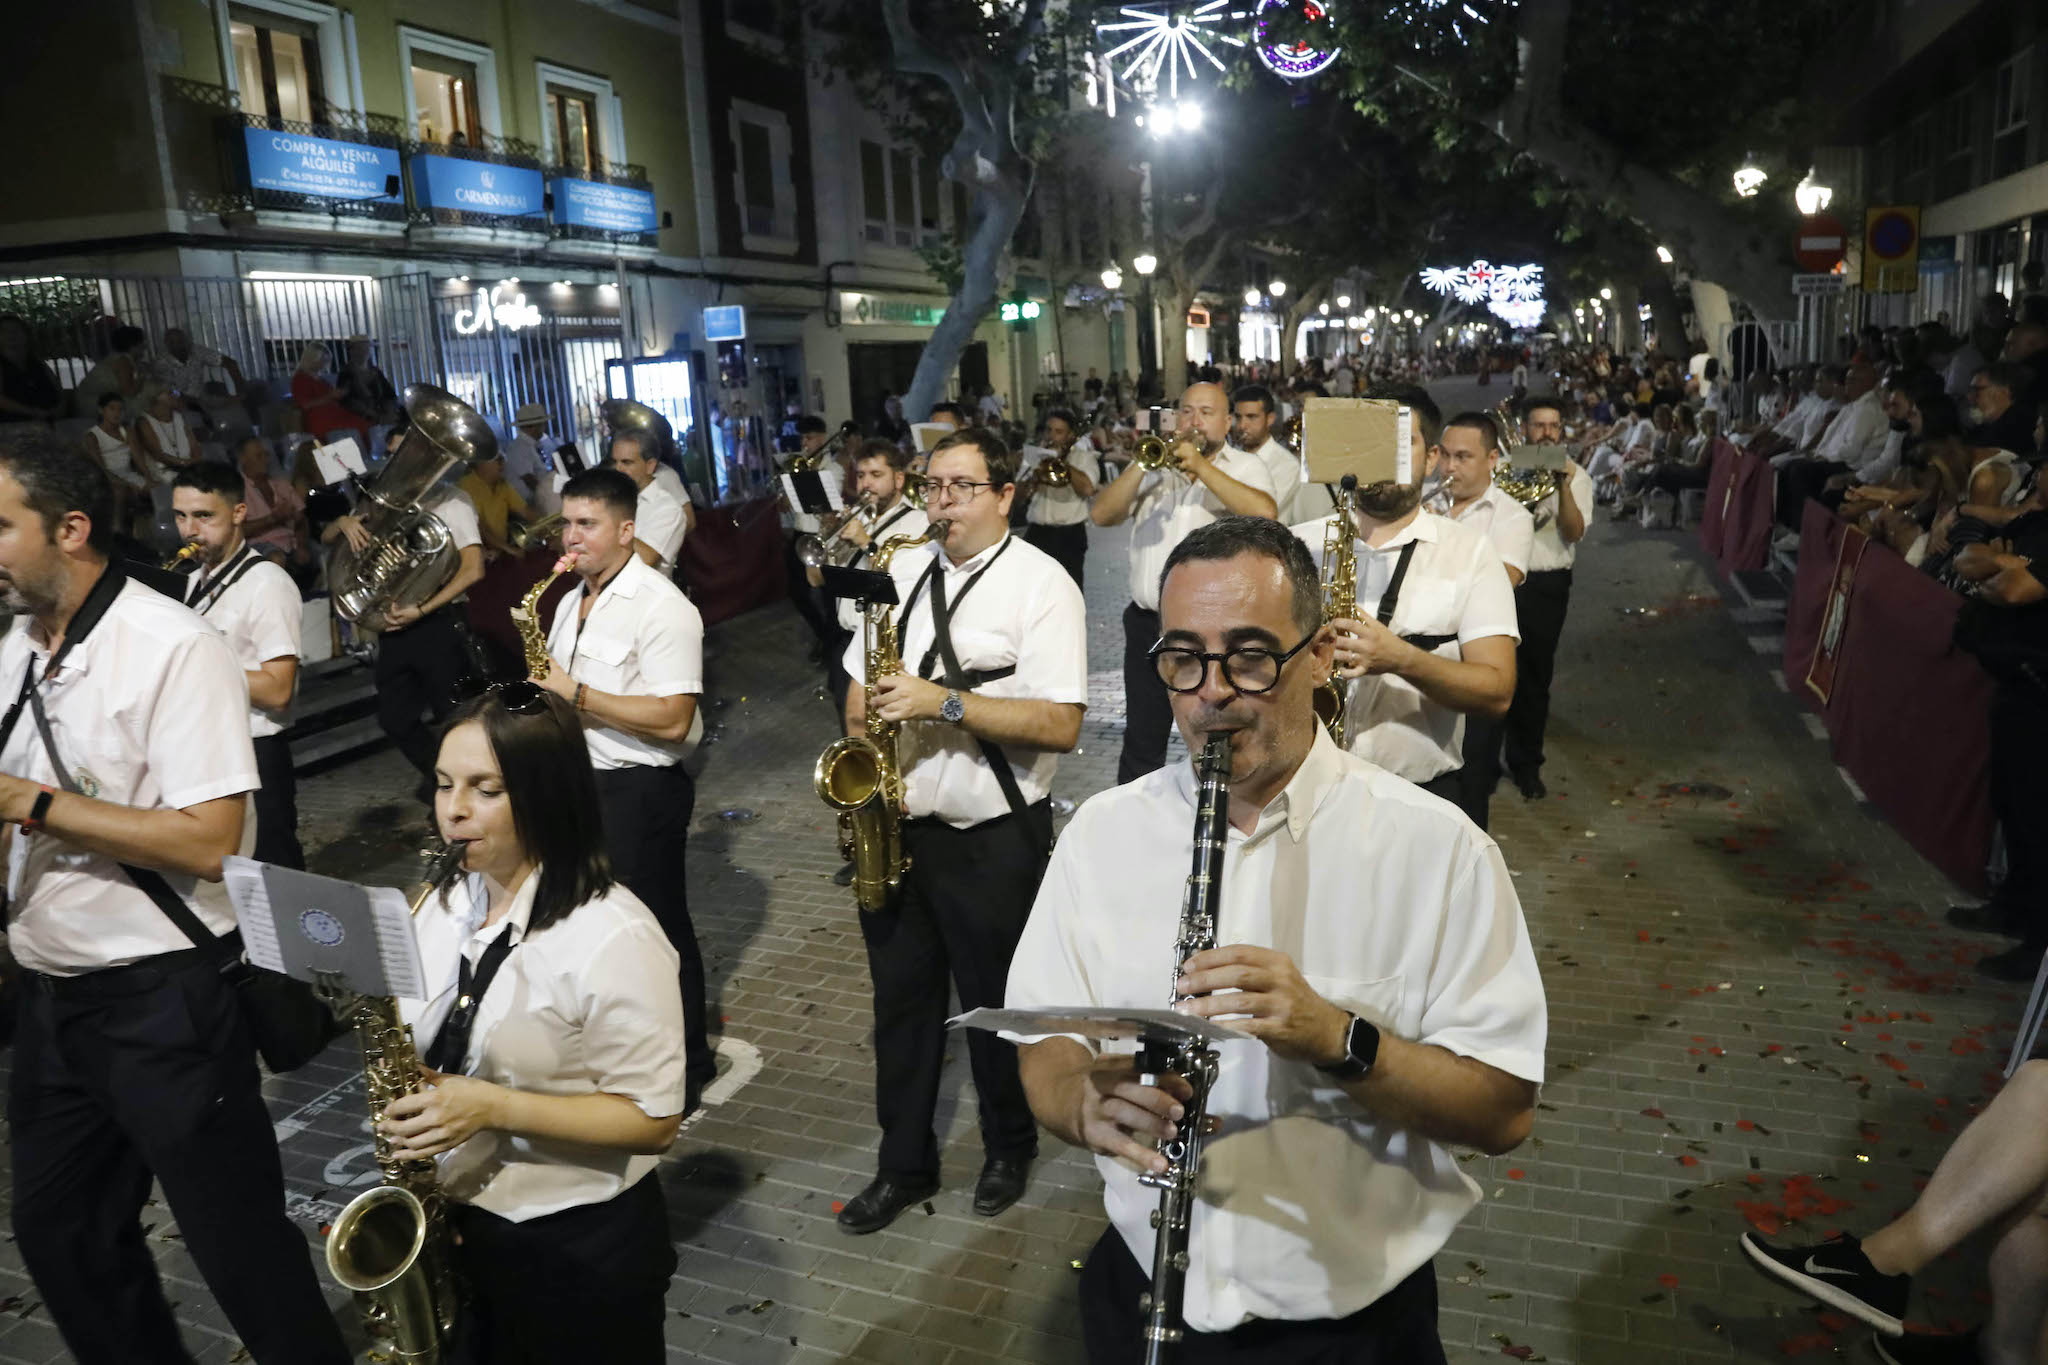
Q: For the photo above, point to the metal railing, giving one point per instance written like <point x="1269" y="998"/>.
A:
<point x="490" y="148"/>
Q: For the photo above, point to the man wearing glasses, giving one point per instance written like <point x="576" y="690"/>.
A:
<point x="1210" y="479"/>
<point x="1436" y="635"/>
<point x="627" y="651"/>
<point x="994" y="645"/>
<point x="1329" y="1182"/>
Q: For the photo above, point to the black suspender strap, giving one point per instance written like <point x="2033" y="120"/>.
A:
<point x="942" y="617"/>
<point x="1391" y="598"/>
<point x="1037" y="833"/>
<point x="875" y="536"/>
<point x="230" y="574"/>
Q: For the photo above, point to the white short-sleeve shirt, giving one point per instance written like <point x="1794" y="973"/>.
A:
<point x="591" y="1004"/>
<point x="1063" y="506"/>
<point x="259" y="614"/>
<point x="1024" y="613"/>
<point x="1504" y="522"/>
<point x="457" y="513"/>
<point x="672" y="484"/>
<point x="1551" y="550"/>
<point x="659" y="524"/>
<point x="1456" y="586"/>
<point x="1169" y="505"/>
<point x="904" y="519"/>
<point x="1283" y="467"/>
<point x="1394" y="906"/>
<point x="151" y="709"/>
<point x="643" y="638"/>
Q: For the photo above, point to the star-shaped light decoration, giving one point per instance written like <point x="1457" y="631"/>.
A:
<point x="1165" y="40"/>
<point x="1513" y="293"/>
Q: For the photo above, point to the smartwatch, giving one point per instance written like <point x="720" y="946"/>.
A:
<point x="1361" y="1050"/>
<point x="38" y="809"/>
<point x="952" y="710"/>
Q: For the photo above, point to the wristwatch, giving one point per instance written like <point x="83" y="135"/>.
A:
<point x="1361" y="1050"/>
<point x="952" y="710"/>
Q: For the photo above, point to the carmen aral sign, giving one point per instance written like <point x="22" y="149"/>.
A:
<point x="448" y="182"/>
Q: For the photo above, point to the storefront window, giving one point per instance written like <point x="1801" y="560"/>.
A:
<point x="572" y="117"/>
<point x="444" y="91"/>
<point x="277" y="68"/>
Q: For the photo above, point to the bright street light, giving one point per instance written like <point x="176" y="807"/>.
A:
<point x="1323" y="308"/>
<point x="1749" y="177"/>
<point x="1251" y="298"/>
<point x="1145" y="263"/>
<point x="1112" y="279"/>
<point x="1812" y="196"/>
<point x="1344" y="302"/>
<point x="1188" y="115"/>
<point x="1605" y="292"/>
<point x="1664" y="254"/>
<point x="1277" y="288"/>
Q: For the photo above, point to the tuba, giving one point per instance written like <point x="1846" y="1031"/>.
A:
<point x="390" y="1245"/>
<point x="1340" y="602"/>
<point x="1528" y="486"/>
<point x="859" y="775"/>
<point x="411" y="555"/>
<point x="625" y="417"/>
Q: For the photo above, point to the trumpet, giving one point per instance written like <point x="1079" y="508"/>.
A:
<point x="177" y="561"/>
<point x="817" y="551"/>
<point x="1055" y="472"/>
<point x="1154" y="452"/>
<point x="528" y="535"/>
<point x="801" y="463"/>
<point x="914" y="482"/>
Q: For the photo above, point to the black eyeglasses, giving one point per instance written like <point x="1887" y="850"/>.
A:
<point x="521" y="697"/>
<point x="1246" y="669"/>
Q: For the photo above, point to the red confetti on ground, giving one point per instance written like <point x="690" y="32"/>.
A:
<point x="1668" y="1280"/>
<point x="1653" y="1113"/>
<point x="1642" y="935"/>
<point x="838" y="1206"/>
<point x="1515" y="1173"/>
<point x="1746" y="1125"/>
<point x="1806" y="1343"/>
<point x="1688" y="1160"/>
<point x="1895" y="1063"/>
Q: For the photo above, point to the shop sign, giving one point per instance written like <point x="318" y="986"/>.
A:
<point x="884" y="309"/>
<point x="499" y="306"/>
<point x="608" y="208"/>
<point x="725" y="322"/>
<point x="450" y="182"/>
<point x="297" y="164"/>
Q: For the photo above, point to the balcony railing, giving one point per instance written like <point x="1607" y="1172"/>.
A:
<point x="490" y="150"/>
<point x="626" y="175"/>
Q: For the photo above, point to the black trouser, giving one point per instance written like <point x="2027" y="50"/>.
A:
<point x="1675" y="478"/>
<point x="1453" y="787"/>
<point x="586" y="1283"/>
<point x="1398" y="1328"/>
<point x="1148" y="706"/>
<point x="1067" y="544"/>
<point x="836" y="677"/>
<point x="2019" y="798"/>
<point x="646" y="829"/>
<point x="417" y="669"/>
<point x="957" y="920"/>
<point x="1481" y="772"/>
<point x="1540" y="605"/>
<point x="277" y="804"/>
<point x="802" y="595"/>
<point x="1800" y="480"/>
<point x="140" y="1072"/>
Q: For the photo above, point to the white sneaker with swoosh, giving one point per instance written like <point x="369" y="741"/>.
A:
<point x="1838" y="1274"/>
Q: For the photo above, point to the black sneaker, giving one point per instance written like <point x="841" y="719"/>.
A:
<point x="1838" y="1274"/>
<point x="1922" y="1348"/>
<point x="844" y="876"/>
<point x="1531" y="787"/>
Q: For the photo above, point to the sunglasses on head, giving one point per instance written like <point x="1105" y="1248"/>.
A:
<point x="521" y="697"/>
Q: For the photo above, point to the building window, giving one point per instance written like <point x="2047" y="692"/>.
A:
<point x="572" y="121"/>
<point x="757" y="179"/>
<point x="277" y="67"/>
<point x="444" y="91"/>
<point x="900" y="182"/>
<point x="762" y="183"/>
<point x="2009" y="118"/>
<point x="874" y="187"/>
<point x="929" y="232"/>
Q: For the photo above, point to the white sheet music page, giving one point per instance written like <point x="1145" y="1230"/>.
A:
<point x="398" y="948"/>
<point x="244" y="880"/>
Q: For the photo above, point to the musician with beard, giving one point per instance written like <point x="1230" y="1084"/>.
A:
<point x="880" y="471"/>
<point x="1056" y="515"/>
<point x="1436" y="632"/>
<point x="1387" y="984"/>
<point x="1213" y="479"/>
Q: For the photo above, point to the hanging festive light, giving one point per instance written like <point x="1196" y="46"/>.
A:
<point x="1811" y="196"/>
<point x="1749" y="177"/>
<point x="1513" y="293"/>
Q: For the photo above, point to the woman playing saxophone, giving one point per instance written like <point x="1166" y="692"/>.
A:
<point x="555" y="1072"/>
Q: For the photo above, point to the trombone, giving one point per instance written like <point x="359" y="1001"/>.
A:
<point x="815" y="552"/>
<point x="801" y="463"/>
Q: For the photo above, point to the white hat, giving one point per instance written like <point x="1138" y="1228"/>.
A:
<point x="529" y="412"/>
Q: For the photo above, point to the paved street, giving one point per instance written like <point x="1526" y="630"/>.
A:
<point x="1756" y="1012"/>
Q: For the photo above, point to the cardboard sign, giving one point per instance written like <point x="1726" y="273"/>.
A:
<point x="1365" y="437"/>
<point x="1545" y="456"/>
<point x="929" y="434"/>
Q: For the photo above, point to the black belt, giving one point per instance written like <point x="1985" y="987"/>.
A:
<point x="1043" y="803"/>
<point x="1546" y="573"/>
<point x="132" y="978"/>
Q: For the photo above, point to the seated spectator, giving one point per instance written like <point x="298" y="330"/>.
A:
<point x="320" y="407"/>
<point x="188" y="369"/>
<point x="2002" y="407"/>
<point x="363" y="388"/>
<point x="497" y="504"/>
<point x="118" y="372"/>
<point x="2027" y="345"/>
<point x="276" y="522"/>
<point x="1994" y="1177"/>
<point x="110" y="444"/>
<point x="1853" y="439"/>
<point x="28" y="391"/>
<point x="162" y="437"/>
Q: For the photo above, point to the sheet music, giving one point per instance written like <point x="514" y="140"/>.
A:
<point x="398" y="948"/>
<point x="1096" y="1021"/>
<point x="309" y="927"/>
<point x="251" y="899"/>
<point x="339" y="460"/>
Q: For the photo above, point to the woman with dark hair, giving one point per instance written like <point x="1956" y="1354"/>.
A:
<point x="555" y="1067"/>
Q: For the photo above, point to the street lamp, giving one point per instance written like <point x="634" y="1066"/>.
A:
<point x="1323" y="308"/>
<point x="1749" y="177"/>
<point x="1664" y="254"/>
<point x="1251" y="298"/>
<point x="1277" y="288"/>
<point x="1148" y="337"/>
<point x="1112" y="279"/>
<point x="1145" y="263"/>
<point x="1605" y="292"/>
<point x="1344" y="302"/>
<point x="1812" y="196"/>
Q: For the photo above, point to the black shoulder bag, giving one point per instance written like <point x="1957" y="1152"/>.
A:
<point x="288" y="1022"/>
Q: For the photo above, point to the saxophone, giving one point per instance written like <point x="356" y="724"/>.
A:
<point x="390" y="1245"/>
<point x="1189" y="1057"/>
<point x="526" y="617"/>
<point x="858" y="775"/>
<point x="1340" y="602"/>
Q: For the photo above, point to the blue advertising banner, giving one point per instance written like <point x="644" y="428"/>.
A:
<point x="449" y="182"/>
<point x="609" y="208"/>
<point x="298" y="164"/>
<point x="725" y="322"/>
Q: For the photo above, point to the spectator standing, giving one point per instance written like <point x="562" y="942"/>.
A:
<point x="188" y="369"/>
<point x="321" y="412"/>
<point x="528" y="468"/>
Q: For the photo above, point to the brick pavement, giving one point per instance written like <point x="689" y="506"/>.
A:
<point x="1749" y="985"/>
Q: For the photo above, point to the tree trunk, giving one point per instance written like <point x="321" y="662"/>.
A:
<point x="999" y="206"/>
<point x="1665" y="313"/>
<point x="1432" y="328"/>
<point x="1627" y="307"/>
<point x="1172" y="302"/>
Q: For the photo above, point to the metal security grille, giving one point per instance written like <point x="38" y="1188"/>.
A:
<point x="557" y="362"/>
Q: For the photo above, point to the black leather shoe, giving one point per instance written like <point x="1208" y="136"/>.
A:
<point x="875" y="1207"/>
<point x="1001" y="1184"/>
<point x="2018" y="964"/>
<point x="1531" y="787"/>
<point x="844" y="876"/>
<point x="1982" y="919"/>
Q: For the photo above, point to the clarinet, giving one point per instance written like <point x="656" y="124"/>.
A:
<point x="1190" y="1058"/>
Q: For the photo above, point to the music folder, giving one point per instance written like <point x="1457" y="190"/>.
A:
<point x="859" y="585"/>
<point x="313" y="928"/>
<point x="809" y="492"/>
